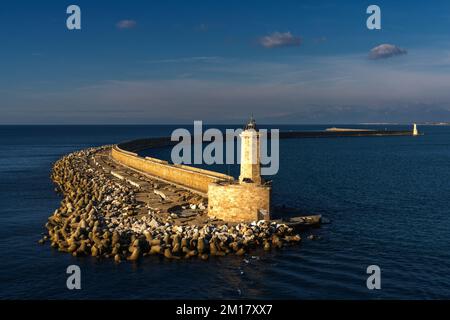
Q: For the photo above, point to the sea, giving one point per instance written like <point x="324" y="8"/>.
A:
<point x="387" y="200"/>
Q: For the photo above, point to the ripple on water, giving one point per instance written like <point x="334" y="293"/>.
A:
<point x="387" y="200"/>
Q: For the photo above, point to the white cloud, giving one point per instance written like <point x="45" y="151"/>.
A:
<point x="384" y="51"/>
<point x="278" y="39"/>
<point x="126" y="24"/>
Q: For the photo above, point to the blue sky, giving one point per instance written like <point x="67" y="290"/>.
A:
<point x="219" y="61"/>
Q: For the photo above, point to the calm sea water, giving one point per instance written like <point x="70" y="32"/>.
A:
<point x="387" y="199"/>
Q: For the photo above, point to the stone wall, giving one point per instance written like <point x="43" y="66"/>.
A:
<point x="185" y="176"/>
<point x="239" y="202"/>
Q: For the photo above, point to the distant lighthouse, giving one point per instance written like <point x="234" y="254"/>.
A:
<point x="250" y="154"/>
<point x="415" y="131"/>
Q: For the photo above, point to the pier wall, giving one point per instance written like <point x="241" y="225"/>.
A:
<point x="186" y="176"/>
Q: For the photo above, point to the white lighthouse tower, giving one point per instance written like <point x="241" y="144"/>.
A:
<point x="415" y="131"/>
<point x="250" y="154"/>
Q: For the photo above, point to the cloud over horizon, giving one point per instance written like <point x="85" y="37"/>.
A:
<point x="385" y="51"/>
<point x="278" y="39"/>
<point x="126" y="24"/>
<point x="347" y="89"/>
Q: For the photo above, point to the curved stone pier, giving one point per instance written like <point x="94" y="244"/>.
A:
<point x="111" y="210"/>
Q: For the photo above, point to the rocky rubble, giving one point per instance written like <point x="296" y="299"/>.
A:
<point x="99" y="216"/>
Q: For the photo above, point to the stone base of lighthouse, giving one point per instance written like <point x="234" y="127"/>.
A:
<point x="243" y="202"/>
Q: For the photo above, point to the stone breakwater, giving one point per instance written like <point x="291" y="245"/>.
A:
<point x="104" y="216"/>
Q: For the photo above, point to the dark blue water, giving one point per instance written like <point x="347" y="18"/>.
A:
<point x="387" y="197"/>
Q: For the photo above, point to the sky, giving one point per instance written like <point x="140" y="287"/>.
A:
<point x="169" y="62"/>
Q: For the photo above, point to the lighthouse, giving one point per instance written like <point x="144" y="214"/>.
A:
<point x="250" y="154"/>
<point x="249" y="199"/>
<point x="415" y="131"/>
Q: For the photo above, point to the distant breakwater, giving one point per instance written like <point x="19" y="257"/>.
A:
<point x="342" y="134"/>
<point x="142" y="144"/>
